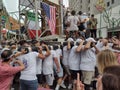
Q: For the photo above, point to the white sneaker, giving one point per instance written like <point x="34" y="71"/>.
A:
<point x="63" y="86"/>
<point x="57" y="87"/>
<point x="70" y="86"/>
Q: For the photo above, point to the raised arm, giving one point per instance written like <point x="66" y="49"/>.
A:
<point x="78" y="49"/>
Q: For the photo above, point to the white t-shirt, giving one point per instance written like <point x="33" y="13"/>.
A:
<point x="74" y="59"/>
<point x="29" y="60"/>
<point x="58" y="54"/>
<point x="83" y="17"/>
<point x="88" y="60"/>
<point x="73" y="23"/>
<point x="39" y="66"/>
<point x="48" y="63"/>
<point x="66" y="53"/>
<point x="99" y="45"/>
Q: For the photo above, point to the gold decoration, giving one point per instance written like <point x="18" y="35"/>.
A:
<point x="100" y="5"/>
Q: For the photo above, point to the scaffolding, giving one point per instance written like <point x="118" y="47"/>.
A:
<point x="34" y="7"/>
<point x="31" y="7"/>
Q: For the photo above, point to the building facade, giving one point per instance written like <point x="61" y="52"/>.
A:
<point x="87" y="6"/>
<point x="108" y="18"/>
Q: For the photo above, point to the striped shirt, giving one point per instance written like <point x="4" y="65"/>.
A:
<point x="7" y="73"/>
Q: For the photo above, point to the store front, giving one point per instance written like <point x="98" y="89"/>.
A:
<point x="114" y="32"/>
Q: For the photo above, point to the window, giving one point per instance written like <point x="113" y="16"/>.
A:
<point x="88" y="1"/>
<point x="88" y="8"/>
<point x="112" y="1"/>
<point x="81" y="6"/>
<point x="108" y="4"/>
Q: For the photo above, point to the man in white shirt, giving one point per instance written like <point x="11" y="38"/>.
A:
<point x="74" y="59"/>
<point x="38" y="48"/>
<point x="28" y="79"/>
<point x="73" y="22"/>
<point x="48" y="67"/>
<point x="58" y="52"/>
<point x="66" y="51"/>
<point x="39" y="66"/>
<point x="88" y="62"/>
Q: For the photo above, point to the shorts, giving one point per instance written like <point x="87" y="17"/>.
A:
<point x="67" y="71"/>
<point x="74" y="74"/>
<point x="59" y="74"/>
<point x="49" y="79"/>
<point x="87" y="77"/>
<point x="40" y="78"/>
<point x="81" y="27"/>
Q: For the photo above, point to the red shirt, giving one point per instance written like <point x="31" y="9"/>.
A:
<point x="7" y="73"/>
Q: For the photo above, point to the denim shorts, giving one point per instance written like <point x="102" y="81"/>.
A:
<point x="28" y="84"/>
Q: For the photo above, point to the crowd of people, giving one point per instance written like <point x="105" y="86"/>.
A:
<point x="84" y="23"/>
<point x="77" y="64"/>
<point x="38" y="64"/>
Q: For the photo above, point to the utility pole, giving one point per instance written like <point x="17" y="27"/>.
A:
<point x="19" y="34"/>
<point x="61" y="8"/>
<point x="36" y="19"/>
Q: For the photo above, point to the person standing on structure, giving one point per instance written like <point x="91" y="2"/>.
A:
<point x="93" y="22"/>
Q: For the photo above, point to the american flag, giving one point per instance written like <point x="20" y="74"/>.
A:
<point x="50" y="12"/>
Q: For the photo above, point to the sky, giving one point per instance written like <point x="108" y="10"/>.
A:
<point x="12" y="5"/>
<point x="65" y="2"/>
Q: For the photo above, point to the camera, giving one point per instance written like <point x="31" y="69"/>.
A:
<point x="85" y="43"/>
<point x="55" y="47"/>
<point x="44" y="48"/>
<point x="24" y="48"/>
<point x="65" y="43"/>
<point x="92" y="44"/>
<point x="35" y="49"/>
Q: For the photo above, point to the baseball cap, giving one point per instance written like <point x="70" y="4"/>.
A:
<point x="91" y="39"/>
<point x="70" y="40"/>
<point x="6" y="54"/>
<point x="4" y="50"/>
<point x="79" y="40"/>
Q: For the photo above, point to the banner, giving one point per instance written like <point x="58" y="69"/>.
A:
<point x="32" y="29"/>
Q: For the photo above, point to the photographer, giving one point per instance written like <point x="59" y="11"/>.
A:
<point x="7" y="71"/>
<point x="88" y="62"/>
